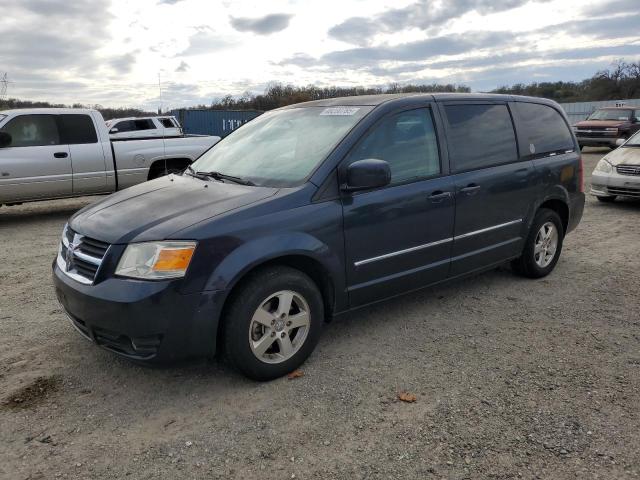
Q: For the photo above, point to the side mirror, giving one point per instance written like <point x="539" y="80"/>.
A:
<point x="368" y="173"/>
<point x="634" y="119"/>
<point x="113" y="130"/>
<point x="5" y="139"/>
<point x="620" y="141"/>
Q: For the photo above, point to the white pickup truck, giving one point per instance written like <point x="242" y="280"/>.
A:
<point x="50" y="153"/>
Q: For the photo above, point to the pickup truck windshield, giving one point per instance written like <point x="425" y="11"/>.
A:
<point x="610" y="115"/>
<point x="281" y="148"/>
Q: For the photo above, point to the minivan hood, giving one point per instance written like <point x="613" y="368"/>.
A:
<point x="599" y="123"/>
<point x="154" y="210"/>
<point x="624" y="156"/>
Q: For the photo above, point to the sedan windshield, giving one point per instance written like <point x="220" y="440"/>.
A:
<point x="283" y="147"/>
<point x="610" y="114"/>
<point x="634" y="141"/>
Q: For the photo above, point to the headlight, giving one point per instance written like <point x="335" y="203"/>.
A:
<point x="603" y="166"/>
<point x="156" y="260"/>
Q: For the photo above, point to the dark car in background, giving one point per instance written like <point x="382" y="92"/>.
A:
<point x="316" y="209"/>
<point x="605" y="126"/>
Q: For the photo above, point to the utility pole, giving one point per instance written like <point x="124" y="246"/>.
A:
<point x="4" y="83"/>
<point x="160" y="88"/>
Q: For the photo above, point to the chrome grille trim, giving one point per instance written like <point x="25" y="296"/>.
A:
<point x="78" y="264"/>
<point x="628" y="169"/>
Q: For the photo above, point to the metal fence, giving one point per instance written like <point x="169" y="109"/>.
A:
<point x="581" y="110"/>
<point x="213" y="122"/>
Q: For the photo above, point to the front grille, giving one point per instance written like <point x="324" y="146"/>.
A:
<point x="628" y="169"/>
<point x="596" y="133"/>
<point x="80" y="256"/>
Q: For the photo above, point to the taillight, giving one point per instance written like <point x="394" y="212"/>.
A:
<point x="581" y="175"/>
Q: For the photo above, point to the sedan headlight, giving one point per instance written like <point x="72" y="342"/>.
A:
<point x="156" y="260"/>
<point x="603" y="166"/>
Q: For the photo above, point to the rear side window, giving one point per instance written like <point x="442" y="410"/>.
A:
<point x="77" y="129"/>
<point x="543" y="129"/>
<point x="33" y="131"/>
<point x="407" y="141"/>
<point x="480" y="136"/>
<point x="124" y="126"/>
<point x="144" y="124"/>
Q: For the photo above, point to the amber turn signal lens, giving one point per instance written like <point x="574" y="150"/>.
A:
<point x="173" y="259"/>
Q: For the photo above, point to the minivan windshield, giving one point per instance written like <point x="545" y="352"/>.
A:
<point x="283" y="147"/>
<point x="610" y="114"/>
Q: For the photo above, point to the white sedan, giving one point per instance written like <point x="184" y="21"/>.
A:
<point x="618" y="173"/>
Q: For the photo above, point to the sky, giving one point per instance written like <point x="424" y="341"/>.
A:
<point x="175" y="53"/>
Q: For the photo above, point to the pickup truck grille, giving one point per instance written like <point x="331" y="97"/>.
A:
<point x="80" y="257"/>
<point x="628" y="169"/>
<point x="596" y="132"/>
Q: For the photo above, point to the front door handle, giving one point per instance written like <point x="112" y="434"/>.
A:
<point x="470" y="189"/>
<point x="61" y="154"/>
<point x="438" y="196"/>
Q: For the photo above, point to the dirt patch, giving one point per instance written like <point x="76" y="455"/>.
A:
<point x="512" y="379"/>
<point x="33" y="393"/>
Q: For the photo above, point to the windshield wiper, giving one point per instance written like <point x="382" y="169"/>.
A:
<point x="195" y="174"/>
<point x="221" y="177"/>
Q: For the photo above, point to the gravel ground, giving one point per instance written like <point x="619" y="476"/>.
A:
<point x="513" y="378"/>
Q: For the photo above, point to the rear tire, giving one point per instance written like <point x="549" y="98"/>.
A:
<point x="543" y="245"/>
<point x="273" y="323"/>
<point x="609" y="199"/>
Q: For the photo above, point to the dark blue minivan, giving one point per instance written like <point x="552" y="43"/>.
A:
<point x="313" y="210"/>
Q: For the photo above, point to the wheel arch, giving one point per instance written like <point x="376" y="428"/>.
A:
<point x="561" y="207"/>
<point x="164" y="164"/>
<point x="301" y="261"/>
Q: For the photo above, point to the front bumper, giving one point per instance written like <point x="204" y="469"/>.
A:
<point x="141" y="320"/>
<point x="597" y="141"/>
<point x="610" y="184"/>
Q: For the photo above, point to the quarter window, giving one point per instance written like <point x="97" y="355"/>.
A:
<point x="33" y="131"/>
<point x="77" y="129"/>
<point x="407" y="141"/>
<point x="543" y="129"/>
<point x="480" y="136"/>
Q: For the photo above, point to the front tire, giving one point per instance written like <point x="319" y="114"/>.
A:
<point x="543" y="245"/>
<point x="273" y="323"/>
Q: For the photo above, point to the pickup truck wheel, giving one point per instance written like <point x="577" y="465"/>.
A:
<point x="273" y="323"/>
<point x="542" y="247"/>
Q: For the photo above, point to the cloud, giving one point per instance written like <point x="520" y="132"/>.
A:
<point x="423" y="14"/>
<point x="123" y="63"/>
<point x="205" y="41"/>
<point x="266" y="25"/>
<point x="183" y="67"/>
<point x="421" y="50"/>
<point x="612" y="7"/>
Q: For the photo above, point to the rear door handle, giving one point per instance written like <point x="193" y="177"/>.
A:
<point x="61" y="154"/>
<point x="471" y="189"/>
<point x="438" y="196"/>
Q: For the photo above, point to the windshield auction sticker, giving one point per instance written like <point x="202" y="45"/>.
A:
<point x="339" y="111"/>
